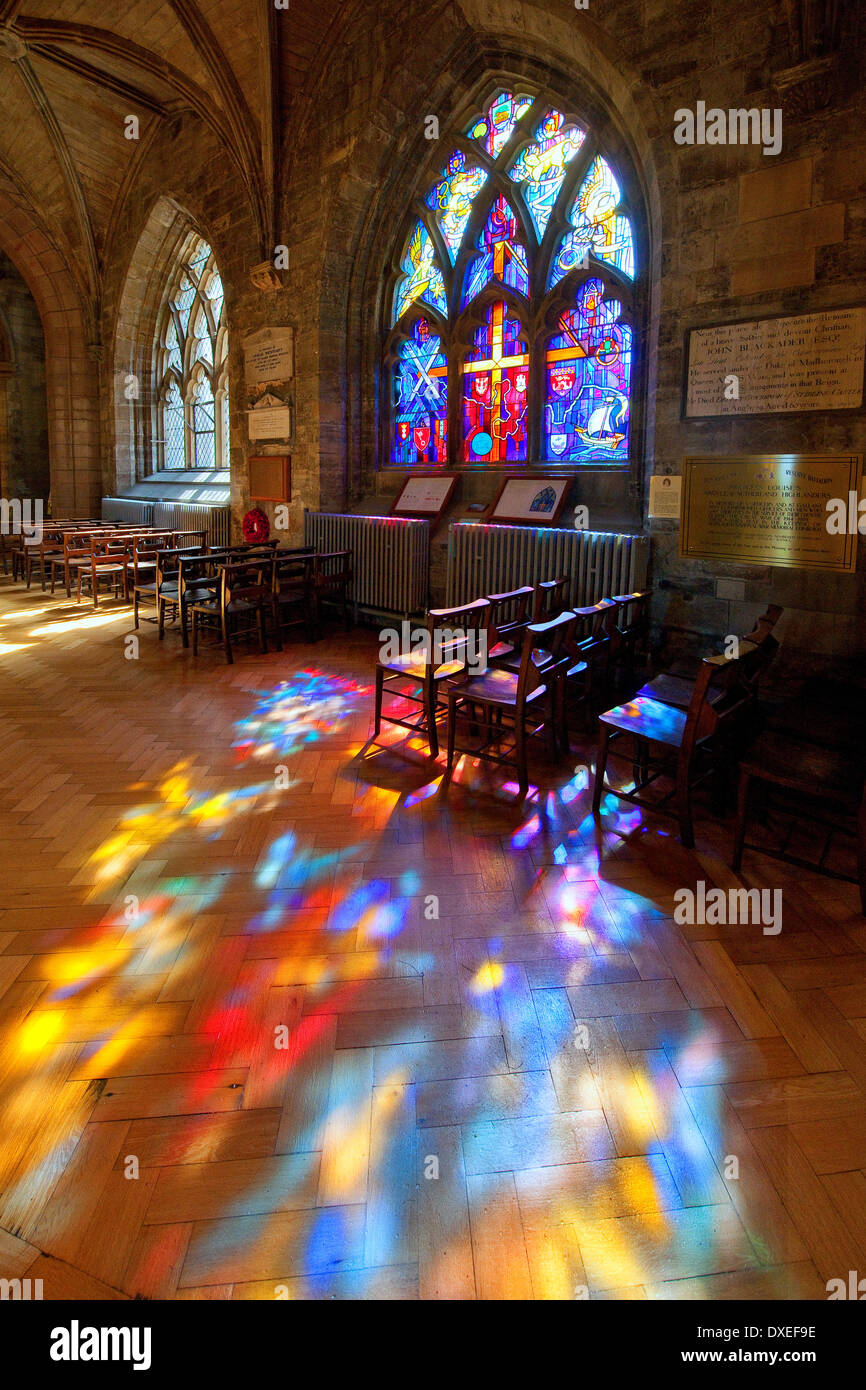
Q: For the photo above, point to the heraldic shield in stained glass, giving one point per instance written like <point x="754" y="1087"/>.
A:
<point x="488" y="250"/>
<point x="420" y="399"/>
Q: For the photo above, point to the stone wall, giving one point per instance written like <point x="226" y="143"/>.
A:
<point x="24" y="422"/>
<point x="726" y="233"/>
<point x="732" y="234"/>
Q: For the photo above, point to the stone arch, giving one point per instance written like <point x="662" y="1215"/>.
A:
<point x="581" y="62"/>
<point x="71" y="356"/>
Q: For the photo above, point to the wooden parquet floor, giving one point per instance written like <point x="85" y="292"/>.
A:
<point x="276" y="1020"/>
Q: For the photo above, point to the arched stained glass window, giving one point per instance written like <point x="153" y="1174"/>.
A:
<point x="513" y="311"/>
<point x="191" y="365"/>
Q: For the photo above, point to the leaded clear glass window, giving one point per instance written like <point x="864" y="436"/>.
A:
<point x="191" y="365"/>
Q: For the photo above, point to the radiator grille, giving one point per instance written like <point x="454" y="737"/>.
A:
<point x="493" y="559"/>
<point x="390" y="557"/>
<point x="172" y="516"/>
<point x="192" y="516"/>
<point x="127" y="509"/>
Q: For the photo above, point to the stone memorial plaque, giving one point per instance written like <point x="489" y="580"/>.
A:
<point x="765" y="366"/>
<point x="270" y="422"/>
<point x="269" y="355"/>
<point x="769" y="509"/>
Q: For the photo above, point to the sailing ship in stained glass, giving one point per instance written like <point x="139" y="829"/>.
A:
<point x="540" y="169"/>
<point x="422" y="278"/>
<point x="597" y="226"/>
<point x="588" y="382"/>
<point x="495" y="380"/>
<point x="420" y="380"/>
<point x="494" y="128"/>
<point x="452" y="198"/>
<point x="503" y="255"/>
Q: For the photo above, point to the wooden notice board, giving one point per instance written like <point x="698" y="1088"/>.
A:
<point x="270" y="478"/>
<point x="769" y="509"/>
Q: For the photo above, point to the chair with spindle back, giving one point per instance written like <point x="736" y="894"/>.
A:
<point x="239" y="590"/>
<point x="332" y="577"/>
<point x="292" y="599"/>
<point x="426" y="669"/>
<point x="523" y="703"/>
<point x="694" y="744"/>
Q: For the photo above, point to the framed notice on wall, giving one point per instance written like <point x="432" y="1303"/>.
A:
<point x="768" y="366"/>
<point x="531" y="501"/>
<point x="771" y="509"/>
<point x="425" y="496"/>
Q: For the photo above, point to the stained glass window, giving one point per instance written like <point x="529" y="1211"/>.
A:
<point x="512" y="203"/>
<point x="597" y="226"/>
<point x="503" y="253"/>
<point x="498" y="121"/>
<point x="420" y="379"/>
<point x="495" y="382"/>
<point x="422" y="278"/>
<point x="452" y="198"/>
<point x="588" y="382"/>
<point x="540" y="169"/>
<point x="191" y="365"/>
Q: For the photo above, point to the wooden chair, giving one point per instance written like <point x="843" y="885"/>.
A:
<point x="809" y="778"/>
<point x="109" y="564"/>
<point x="240" y="590"/>
<point x="693" y="743"/>
<point x="185" y="540"/>
<point x="633" y="622"/>
<point x="332" y="575"/>
<point x="551" y="599"/>
<point x="587" y="678"/>
<point x="292" y="595"/>
<point x="676" y="690"/>
<point x="522" y="703"/>
<point x="507" y="620"/>
<point x="448" y="637"/>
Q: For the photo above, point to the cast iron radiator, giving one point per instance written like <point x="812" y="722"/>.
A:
<point x="493" y="559"/>
<point x="390" y="557"/>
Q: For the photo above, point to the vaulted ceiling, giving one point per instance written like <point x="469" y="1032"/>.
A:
<point x="72" y="71"/>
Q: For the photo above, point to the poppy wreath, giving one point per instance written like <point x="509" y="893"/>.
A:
<point x="256" y="527"/>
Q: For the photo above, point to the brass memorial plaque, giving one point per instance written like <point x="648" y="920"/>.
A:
<point x="771" y="509"/>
